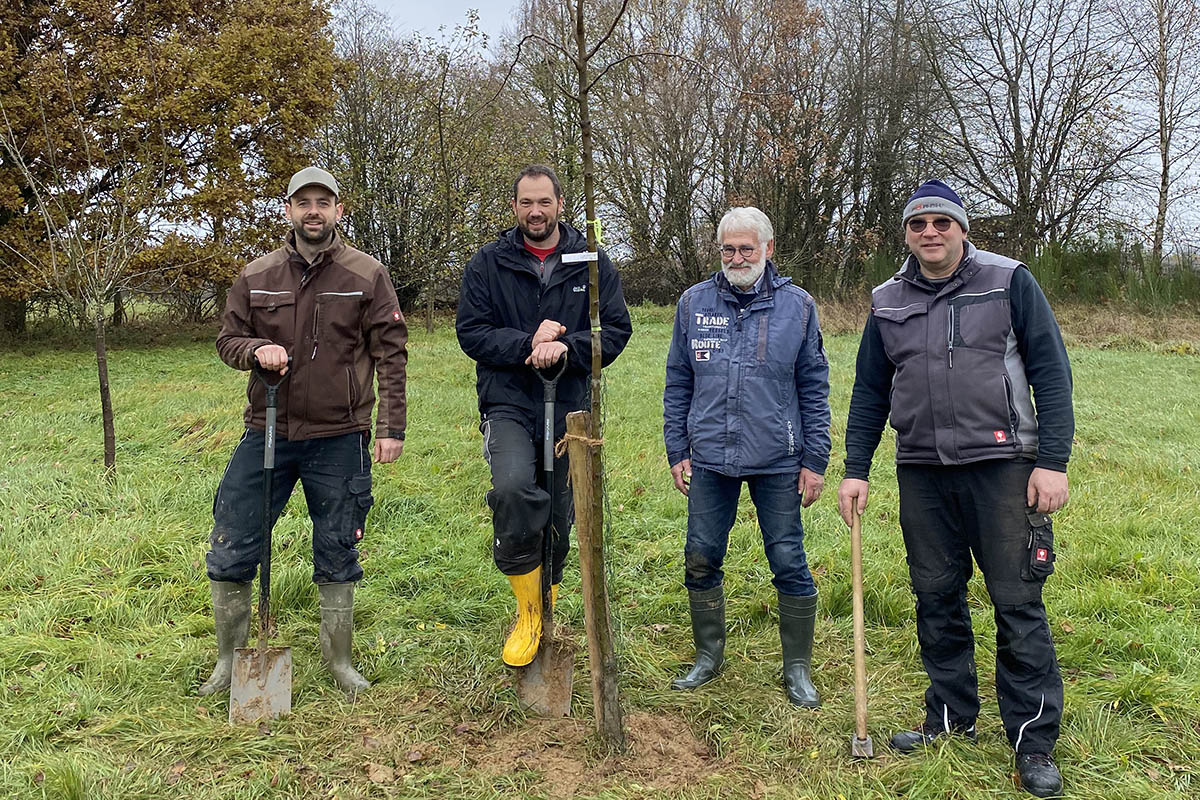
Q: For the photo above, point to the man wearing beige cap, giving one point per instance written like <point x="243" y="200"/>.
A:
<point x="326" y="316"/>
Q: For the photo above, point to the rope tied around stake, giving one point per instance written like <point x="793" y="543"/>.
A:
<point x="561" y="446"/>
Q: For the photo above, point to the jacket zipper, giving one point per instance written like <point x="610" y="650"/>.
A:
<point x="950" y="338"/>
<point x="316" y="330"/>
<point x="1011" y="406"/>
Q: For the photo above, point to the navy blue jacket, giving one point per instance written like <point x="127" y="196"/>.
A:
<point x="500" y="306"/>
<point x="747" y="389"/>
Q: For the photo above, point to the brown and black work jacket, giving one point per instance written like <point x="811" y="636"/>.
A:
<point x="339" y="320"/>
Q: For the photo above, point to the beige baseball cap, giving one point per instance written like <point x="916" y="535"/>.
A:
<point x="312" y="176"/>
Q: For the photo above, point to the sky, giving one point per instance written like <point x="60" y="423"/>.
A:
<point x="424" y="16"/>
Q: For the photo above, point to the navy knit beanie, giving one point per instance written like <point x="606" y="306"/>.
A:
<point x="935" y="197"/>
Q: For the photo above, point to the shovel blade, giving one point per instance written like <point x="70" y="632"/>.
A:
<point x="261" y="687"/>
<point x="861" y="748"/>
<point x="544" y="687"/>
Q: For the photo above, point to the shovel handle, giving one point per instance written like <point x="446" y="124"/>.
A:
<point x="549" y="378"/>
<point x="860" y="634"/>
<point x="264" y="560"/>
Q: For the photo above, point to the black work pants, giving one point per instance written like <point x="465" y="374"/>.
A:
<point x="336" y="475"/>
<point x="947" y="514"/>
<point x="519" y="502"/>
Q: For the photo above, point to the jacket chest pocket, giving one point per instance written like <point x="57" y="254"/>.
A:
<point x="981" y="320"/>
<point x="903" y="330"/>
<point x="273" y="315"/>
<point x="338" y="316"/>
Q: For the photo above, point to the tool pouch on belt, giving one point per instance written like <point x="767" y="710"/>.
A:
<point x="1039" y="563"/>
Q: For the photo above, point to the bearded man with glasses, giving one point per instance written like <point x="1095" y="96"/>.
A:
<point x="747" y="401"/>
<point x="953" y="346"/>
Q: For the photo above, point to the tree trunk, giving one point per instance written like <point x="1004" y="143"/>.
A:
<point x="13" y="314"/>
<point x="106" y="410"/>
<point x="118" y="314"/>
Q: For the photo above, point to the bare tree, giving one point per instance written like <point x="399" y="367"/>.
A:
<point x="95" y="226"/>
<point x="1032" y="93"/>
<point x="1165" y="35"/>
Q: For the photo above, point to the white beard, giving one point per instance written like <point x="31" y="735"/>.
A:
<point x="745" y="280"/>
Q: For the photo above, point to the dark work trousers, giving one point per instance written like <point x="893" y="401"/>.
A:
<point x="520" y="506"/>
<point x="712" y="509"/>
<point x="947" y="514"/>
<point x="336" y="475"/>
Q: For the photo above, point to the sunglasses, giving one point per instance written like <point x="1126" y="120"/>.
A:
<point x="941" y="225"/>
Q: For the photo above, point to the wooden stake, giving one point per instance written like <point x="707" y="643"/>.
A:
<point x="589" y="528"/>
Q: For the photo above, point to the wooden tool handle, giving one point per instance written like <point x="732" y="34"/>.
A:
<point x="860" y="635"/>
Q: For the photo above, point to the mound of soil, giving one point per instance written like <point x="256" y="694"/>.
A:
<point x="662" y="754"/>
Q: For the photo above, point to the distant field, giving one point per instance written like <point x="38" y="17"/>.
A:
<point x="105" y="627"/>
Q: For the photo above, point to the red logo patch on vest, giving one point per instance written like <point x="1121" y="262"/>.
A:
<point x="1001" y="437"/>
<point x="1042" y="555"/>
<point x="395" y="316"/>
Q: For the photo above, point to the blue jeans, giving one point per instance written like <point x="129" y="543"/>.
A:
<point x="712" y="508"/>
<point x="336" y="475"/>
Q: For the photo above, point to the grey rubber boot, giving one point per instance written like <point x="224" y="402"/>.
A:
<point x="797" y="618"/>
<point x="708" y="632"/>
<point x="337" y="633"/>
<point x="231" y="610"/>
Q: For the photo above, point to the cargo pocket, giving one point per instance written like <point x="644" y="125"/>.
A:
<point x="1039" y="561"/>
<point x="360" y="501"/>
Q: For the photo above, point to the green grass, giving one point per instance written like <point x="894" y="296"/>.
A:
<point x="105" y="630"/>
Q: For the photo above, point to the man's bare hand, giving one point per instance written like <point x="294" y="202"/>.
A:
<point x="809" y="487"/>
<point x="272" y="357"/>
<point x="388" y="450"/>
<point x="546" y="354"/>
<point x="682" y="473"/>
<point x="1047" y="490"/>
<point x="548" y="331"/>
<point x="852" y="494"/>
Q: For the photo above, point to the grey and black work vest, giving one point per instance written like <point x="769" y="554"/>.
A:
<point x="959" y="393"/>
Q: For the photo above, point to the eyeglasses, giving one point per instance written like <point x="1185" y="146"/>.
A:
<point x="941" y="224"/>
<point x="728" y="251"/>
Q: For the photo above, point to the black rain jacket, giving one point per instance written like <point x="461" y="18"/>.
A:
<point x="500" y="306"/>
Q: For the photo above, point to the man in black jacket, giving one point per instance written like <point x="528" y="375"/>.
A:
<point x="524" y="305"/>
<point x="953" y="346"/>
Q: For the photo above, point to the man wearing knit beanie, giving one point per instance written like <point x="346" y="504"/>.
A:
<point x="955" y="344"/>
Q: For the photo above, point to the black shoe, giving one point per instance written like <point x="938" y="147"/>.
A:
<point x="1039" y="775"/>
<point x="908" y="741"/>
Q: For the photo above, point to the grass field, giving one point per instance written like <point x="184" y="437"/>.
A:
<point x="105" y="628"/>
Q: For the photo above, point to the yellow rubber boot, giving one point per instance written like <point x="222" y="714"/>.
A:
<point x="553" y="595"/>
<point x="522" y="644"/>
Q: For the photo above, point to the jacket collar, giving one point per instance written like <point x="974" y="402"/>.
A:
<point x="511" y="252"/>
<point x="325" y="255"/>
<point x="771" y="280"/>
<point x="910" y="272"/>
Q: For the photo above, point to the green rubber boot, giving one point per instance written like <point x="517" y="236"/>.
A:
<point x="231" y="610"/>
<point x="708" y="633"/>
<point x="797" y="618"/>
<point x="337" y="633"/>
